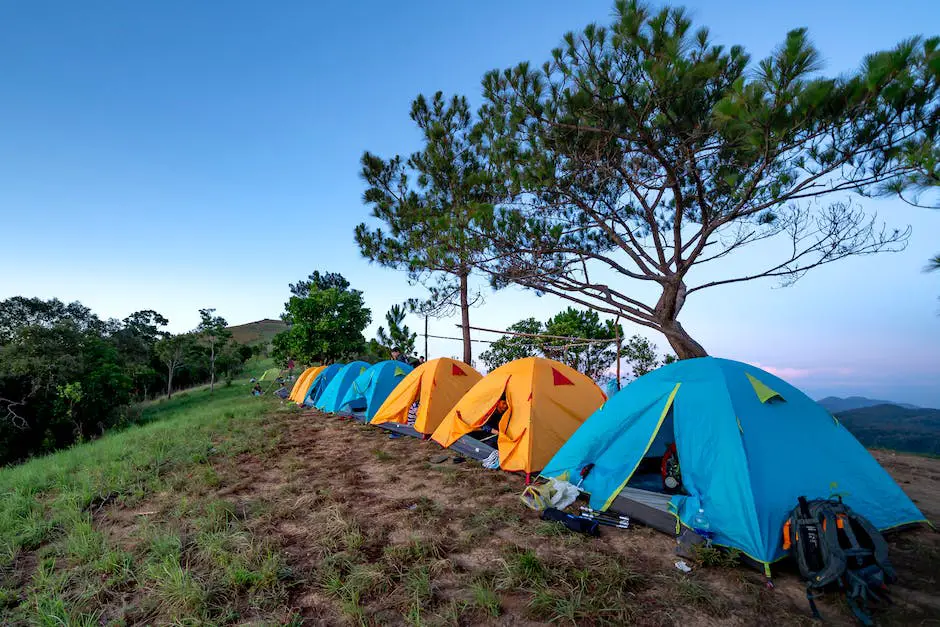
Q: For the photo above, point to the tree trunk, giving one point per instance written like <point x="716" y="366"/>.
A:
<point x="465" y="317"/>
<point x="682" y="342"/>
<point x="425" y="338"/>
<point x="169" y="382"/>
<point x="667" y="310"/>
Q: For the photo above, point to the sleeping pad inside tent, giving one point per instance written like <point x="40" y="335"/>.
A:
<point x="746" y="446"/>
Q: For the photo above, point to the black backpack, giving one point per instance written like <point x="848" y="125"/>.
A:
<point x="834" y="546"/>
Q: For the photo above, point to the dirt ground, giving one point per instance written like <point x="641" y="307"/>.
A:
<point x="378" y="531"/>
<point x="334" y="487"/>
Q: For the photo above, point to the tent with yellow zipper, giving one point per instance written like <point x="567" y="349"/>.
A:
<point x="436" y="386"/>
<point x="547" y="402"/>
<point x="303" y="382"/>
<point x="748" y="445"/>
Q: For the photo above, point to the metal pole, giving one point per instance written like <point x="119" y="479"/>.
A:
<point x="619" y="347"/>
<point x="425" y="337"/>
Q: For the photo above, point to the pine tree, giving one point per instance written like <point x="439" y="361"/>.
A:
<point x="428" y="203"/>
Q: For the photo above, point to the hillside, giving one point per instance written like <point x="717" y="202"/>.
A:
<point x="237" y="510"/>
<point x="836" y="404"/>
<point x="259" y="332"/>
<point x="894" y="427"/>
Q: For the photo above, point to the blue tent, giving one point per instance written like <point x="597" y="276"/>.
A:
<point x="748" y="445"/>
<point x="319" y="383"/>
<point x="372" y="387"/>
<point x="330" y="399"/>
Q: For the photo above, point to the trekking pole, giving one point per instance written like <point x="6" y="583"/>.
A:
<point x="616" y="519"/>
<point x="605" y="516"/>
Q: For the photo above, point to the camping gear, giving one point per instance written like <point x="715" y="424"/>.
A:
<point x="492" y="461"/>
<point x="735" y="427"/>
<point x="606" y="518"/>
<point x="553" y="493"/>
<point x="318" y="384"/>
<point x="702" y="526"/>
<point x="547" y="402"/>
<point x="370" y="389"/>
<point x="332" y="396"/>
<point x="435" y="386"/>
<point x="672" y="475"/>
<point x="833" y="545"/>
<point x="572" y="522"/>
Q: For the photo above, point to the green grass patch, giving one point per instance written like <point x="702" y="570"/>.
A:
<point x="49" y="505"/>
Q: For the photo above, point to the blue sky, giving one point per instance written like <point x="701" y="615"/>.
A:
<point x="176" y="155"/>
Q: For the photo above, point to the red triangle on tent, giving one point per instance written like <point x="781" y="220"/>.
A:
<point x="456" y="371"/>
<point x="560" y="379"/>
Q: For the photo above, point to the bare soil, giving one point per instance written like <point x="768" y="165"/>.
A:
<point x="360" y="518"/>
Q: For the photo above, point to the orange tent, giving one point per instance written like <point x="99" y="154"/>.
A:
<point x="547" y="401"/>
<point x="436" y="385"/>
<point x="303" y="383"/>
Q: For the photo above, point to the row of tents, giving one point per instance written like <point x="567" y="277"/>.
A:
<point x="748" y="443"/>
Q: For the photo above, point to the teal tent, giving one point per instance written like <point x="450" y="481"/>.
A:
<point x="748" y="444"/>
<point x="331" y="398"/>
<point x="372" y="387"/>
<point x="319" y="383"/>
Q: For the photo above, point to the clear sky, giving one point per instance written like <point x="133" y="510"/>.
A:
<point x="175" y="155"/>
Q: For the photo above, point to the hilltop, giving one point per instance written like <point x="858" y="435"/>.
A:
<point x="233" y="510"/>
<point x="258" y="332"/>
<point x="836" y="404"/>
<point x="914" y="430"/>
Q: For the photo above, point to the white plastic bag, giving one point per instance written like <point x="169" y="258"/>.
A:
<point x="555" y="493"/>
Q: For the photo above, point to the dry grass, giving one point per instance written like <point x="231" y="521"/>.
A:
<point x="306" y="518"/>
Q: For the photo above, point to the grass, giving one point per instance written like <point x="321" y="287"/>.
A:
<point x="48" y="508"/>
<point x="230" y="510"/>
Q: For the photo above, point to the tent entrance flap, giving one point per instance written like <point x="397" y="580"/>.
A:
<point x="662" y="417"/>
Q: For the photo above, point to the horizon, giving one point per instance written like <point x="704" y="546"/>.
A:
<point x="177" y="156"/>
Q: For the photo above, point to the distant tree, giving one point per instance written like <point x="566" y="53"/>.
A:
<point x="640" y="355"/>
<point x="321" y="281"/>
<point x="172" y="350"/>
<point x="593" y="359"/>
<point x="213" y="333"/>
<point x="20" y="311"/>
<point x="511" y="347"/>
<point x="135" y="340"/>
<point x="326" y="323"/>
<point x="427" y="204"/>
<point x="398" y="335"/>
<point x="59" y="381"/>
<point x="640" y="152"/>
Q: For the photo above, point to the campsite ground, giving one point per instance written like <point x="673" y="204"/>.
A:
<point x="241" y="510"/>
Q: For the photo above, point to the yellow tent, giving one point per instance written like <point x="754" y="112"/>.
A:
<point x="436" y="385"/>
<point x="303" y="383"/>
<point x="547" y="400"/>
